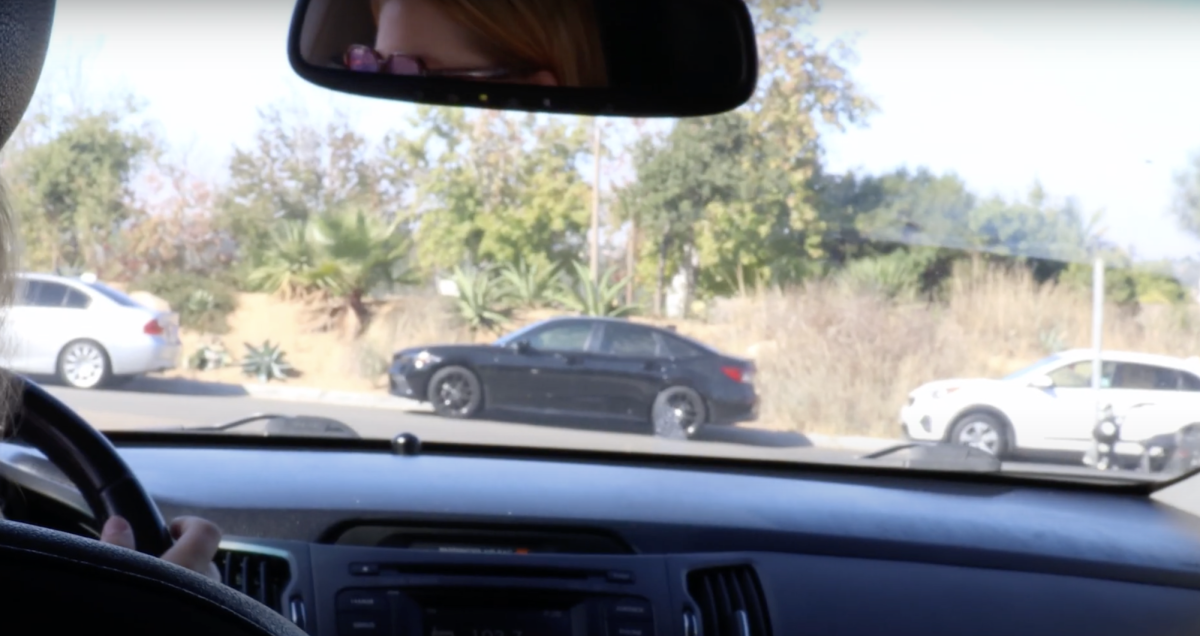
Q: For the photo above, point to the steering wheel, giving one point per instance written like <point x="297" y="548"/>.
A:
<point x="89" y="460"/>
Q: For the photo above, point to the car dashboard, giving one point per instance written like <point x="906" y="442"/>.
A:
<point x="351" y="537"/>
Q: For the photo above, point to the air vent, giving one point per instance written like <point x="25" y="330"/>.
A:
<point x="730" y="601"/>
<point x="262" y="577"/>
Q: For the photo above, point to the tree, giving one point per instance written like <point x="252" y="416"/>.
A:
<point x="71" y="182"/>
<point x="490" y="188"/>
<point x="732" y="196"/>
<point x="297" y="169"/>
<point x="341" y="255"/>
<point x="1185" y="204"/>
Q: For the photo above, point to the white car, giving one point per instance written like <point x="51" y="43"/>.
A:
<point x="85" y="332"/>
<point x="1050" y="406"/>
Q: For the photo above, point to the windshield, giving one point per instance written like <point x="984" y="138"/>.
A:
<point x="1033" y="369"/>
<point x="914" y="193"/>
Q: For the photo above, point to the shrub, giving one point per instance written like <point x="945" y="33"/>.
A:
<point x="202" y="302"/>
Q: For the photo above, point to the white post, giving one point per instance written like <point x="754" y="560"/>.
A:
<point x="1097" y="330"/>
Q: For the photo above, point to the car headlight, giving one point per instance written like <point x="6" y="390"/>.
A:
<point x="1108" y="429"/>
<point x="424" y="359"/>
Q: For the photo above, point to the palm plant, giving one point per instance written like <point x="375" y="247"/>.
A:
<point x="528" y="284"/>
<point x="480" y="298"/>
<point x="341" y="255"/>
<point x="589" y="296"/>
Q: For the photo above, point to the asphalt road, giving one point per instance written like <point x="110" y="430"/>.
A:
<point x="137" y="407"/>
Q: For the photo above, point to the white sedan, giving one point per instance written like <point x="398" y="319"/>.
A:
<point x="85" y="332"/>
<point x="1050" y="406"/>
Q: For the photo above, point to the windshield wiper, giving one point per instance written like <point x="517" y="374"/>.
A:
<point x="941" y="456"/>
<point x="278" y="425"/>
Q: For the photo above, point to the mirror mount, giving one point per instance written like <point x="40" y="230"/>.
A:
<point x="661" y="58"/>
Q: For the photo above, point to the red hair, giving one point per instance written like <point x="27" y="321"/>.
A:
<point x="560" y="36"/>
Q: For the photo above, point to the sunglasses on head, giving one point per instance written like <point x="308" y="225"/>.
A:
<point x="364" y="59"/>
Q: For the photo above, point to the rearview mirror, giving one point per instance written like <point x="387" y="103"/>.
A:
<point x="1041" y="382"/>
<point x="640" y="58"/>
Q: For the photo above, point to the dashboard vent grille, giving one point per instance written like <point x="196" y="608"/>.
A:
<point x="262" y="577"/>
<point x="730" y="600"/>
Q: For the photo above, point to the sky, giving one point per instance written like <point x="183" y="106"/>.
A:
<point x="1100" y="103"/>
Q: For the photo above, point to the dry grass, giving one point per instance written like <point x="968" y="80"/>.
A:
<point x="835" y="362"/>
<point x="830" y="360"/>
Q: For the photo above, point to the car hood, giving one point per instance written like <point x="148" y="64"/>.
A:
<point x="930" y="388"/>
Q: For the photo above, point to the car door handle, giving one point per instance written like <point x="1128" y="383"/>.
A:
<point x="653" y="366"/>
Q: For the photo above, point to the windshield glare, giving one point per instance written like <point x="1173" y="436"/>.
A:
<point x="914" y="193"/>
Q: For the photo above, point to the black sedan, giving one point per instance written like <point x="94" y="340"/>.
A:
<point x="608" y="368"/>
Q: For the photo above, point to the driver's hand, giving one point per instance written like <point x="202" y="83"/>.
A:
<point x="195" y="546"/>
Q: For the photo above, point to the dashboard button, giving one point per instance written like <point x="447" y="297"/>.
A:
<point x="635" y="609"/>
<point x="362" y="601"/>
<point x="364" y="569"/>
<point x="363" y="624"/>
<point x="627" y="628"/>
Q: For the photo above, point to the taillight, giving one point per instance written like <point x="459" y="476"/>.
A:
<point x="738" y="374"/>
<point x="153" y="328"/>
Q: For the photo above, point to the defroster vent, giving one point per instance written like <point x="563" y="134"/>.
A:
<point x="262" y="577"/>
<point x="730" y="600"/>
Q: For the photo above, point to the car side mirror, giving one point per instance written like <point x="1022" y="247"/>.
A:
<point x="1041" y="382"/>
<point x="522" y="346"/>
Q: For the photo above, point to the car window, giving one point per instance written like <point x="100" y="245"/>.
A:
<point x="114" y="295"/>
<point x="48" y="294"/>
<point x="572" y="336"/>
<point x="1189" y="382"/>
<point x="629" y="341"/>
<point x="26" y="291"/>
<point x="76" y="299"/>
<point x="677" y="348"/>
<point x="1147" y="378"/>
<point x="1079" y="375"/>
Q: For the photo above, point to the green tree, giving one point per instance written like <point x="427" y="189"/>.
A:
<point x="731" y="197"/>
<point x="488" y="187"/>
<point x="1185" y="203"/>
<point x="297" y="169"/>
<point x="71" y="184"/>
<point x="341" y="255"/>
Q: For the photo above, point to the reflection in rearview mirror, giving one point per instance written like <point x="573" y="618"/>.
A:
<point x="643" y="57"/>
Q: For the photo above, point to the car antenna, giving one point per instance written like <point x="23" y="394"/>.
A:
<point x="406" y="444"/>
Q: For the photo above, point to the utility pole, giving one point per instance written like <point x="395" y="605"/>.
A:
<point x="1097" y="332"/>
<point x="595" y="247"/>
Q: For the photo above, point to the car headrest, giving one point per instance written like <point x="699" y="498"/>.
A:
<point x="24" y="38"/>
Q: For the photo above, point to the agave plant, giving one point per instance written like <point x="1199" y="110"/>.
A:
<point x="591" y="297"/>
<point x="209" y="357"/>
<point x="266" y="362"/>
<point x="480" y="298"/>
<point x="201" y="301"/>
<point x="528" y="284"/>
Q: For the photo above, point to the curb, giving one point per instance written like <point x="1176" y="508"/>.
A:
<point x="343" y="398"/>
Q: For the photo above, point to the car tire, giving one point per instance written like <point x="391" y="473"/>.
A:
<point x="677" y="413"/>
<point x="983" y="431"/>
<point x="455" y="392"/>
<point x="84" y="364"/>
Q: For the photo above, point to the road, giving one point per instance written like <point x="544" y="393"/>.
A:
<point x="137" y="408"/>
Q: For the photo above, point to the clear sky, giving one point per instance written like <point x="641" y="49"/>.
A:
<point x="1099" y="101"/>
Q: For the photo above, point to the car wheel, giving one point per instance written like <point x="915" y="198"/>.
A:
<point x="678" y="412"/>
<point x="456" y="392"/>
<point x="982" y="431"/>
<point x="84" y="364"/>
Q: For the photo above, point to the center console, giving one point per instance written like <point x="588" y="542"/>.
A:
<point x="397" y="592"/>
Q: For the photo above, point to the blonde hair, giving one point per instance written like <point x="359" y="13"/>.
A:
<point x="559" y="36"/>
<point x="10" y="384"/>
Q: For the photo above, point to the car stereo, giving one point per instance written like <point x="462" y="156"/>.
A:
<point x="489" y="612"/>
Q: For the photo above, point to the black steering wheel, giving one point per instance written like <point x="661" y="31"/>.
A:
<point x="89" y="460"/>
